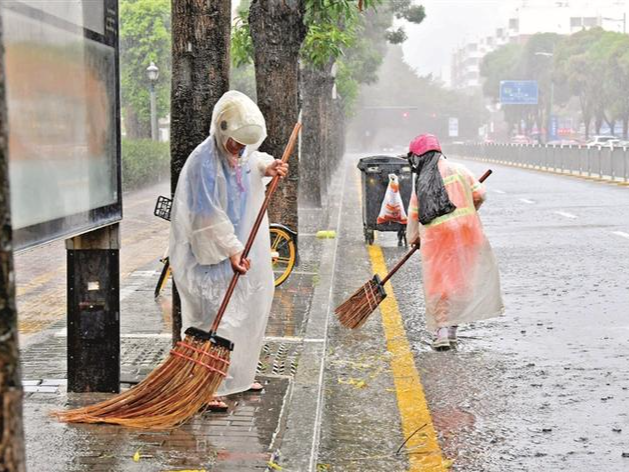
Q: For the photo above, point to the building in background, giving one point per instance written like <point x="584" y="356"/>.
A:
<point x="536" y="16"/>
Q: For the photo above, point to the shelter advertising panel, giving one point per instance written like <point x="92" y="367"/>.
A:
<point x="61" y="63"/>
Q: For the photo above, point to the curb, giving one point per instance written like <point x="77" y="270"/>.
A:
<point x="300" y="443"/>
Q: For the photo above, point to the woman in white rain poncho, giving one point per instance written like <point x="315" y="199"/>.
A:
<point x="219" y="194"/>
<point x="460" y="274"/>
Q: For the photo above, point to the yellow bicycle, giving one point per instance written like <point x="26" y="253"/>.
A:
<point x="283" y="248"/>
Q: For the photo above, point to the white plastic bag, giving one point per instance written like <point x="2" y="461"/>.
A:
<point x="392" y="209"/>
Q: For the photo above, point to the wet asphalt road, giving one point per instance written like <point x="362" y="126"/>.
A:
<point x="546" y="387"/>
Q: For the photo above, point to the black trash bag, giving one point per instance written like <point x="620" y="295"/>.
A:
<point x="431" y="192"/>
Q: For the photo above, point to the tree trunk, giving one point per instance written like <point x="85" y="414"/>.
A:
<point x="12" y="457"/>
<point x="598" y="123"/>
<point x="310" y="159"/>
<point x="277" y="30"/>
<point x="200" y="76"/>
<point x="338" y="136"/>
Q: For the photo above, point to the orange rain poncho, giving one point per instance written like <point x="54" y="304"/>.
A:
<point x="461" y="280"/>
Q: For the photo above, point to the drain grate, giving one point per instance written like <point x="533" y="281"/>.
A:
<point x="279" y="358"/>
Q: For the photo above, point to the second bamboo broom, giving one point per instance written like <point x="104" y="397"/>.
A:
<point x="192" y="373"/>
<point x="353" y="313"/>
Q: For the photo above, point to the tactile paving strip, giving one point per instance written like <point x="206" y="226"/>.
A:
<point x="279" y="358"/>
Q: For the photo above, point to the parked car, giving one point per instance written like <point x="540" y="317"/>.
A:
<point x="612" y="143"/>
<point x="601" y="140"/>
<point x="564" y="142"/>
<point x="521" y="139"/>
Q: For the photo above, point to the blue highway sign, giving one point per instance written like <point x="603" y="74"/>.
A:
<point x="518" y="92"/>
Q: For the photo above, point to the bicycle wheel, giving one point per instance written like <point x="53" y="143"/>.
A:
<point x="283" y="254"/>
<point x="163" y="277"/>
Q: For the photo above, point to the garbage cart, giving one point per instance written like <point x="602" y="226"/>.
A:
<point x="375" y="172"/>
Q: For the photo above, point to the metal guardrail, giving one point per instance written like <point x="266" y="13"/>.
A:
<point x="600" y="162"/>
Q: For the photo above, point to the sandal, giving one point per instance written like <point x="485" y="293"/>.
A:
<point x="217" y="405"/>
<point x="256" y="387"/>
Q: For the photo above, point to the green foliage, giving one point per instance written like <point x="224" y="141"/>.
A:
<point x="241" y="42"/>
<point x="397" y="36"/>
<point x="501" y="64"/>
<point x="347" y="86"/>
<point x="145" y="36"/>
<point x="325" y="43"/>
<point x="144" y="162"/>
<point x="594" y="65"/>
<point x="591" y="65"/>
<point x="405" y="10"/>
<point x="337" y="32"/>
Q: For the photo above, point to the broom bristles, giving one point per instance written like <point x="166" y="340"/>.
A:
<point x="354" y="312"/>
<point x="171" y="394"/>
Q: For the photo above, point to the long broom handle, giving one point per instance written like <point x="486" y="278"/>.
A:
<point x="256" y="226"/>
<point x="415" y="248"/>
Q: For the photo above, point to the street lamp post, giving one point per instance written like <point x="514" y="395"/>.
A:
<point x="152" y="71"/>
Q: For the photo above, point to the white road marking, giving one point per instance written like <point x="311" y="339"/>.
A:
<point x="621" y="234"/>
<point x="499" y="191"/>
<point x="526" y="200"/>
<point x="566" y="214"/>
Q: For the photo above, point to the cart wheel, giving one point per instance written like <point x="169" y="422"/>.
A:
<point x="369" y="236"/>
<point x="401" y="238"/>
<point x="283" y="254"/>
<point x="163" y="277"/>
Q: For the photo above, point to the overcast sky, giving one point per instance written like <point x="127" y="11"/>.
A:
<point x="448" y="24"/>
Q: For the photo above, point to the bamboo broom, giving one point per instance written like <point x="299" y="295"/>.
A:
<point x="190" y="376"/>
<point x="353" y="313"/>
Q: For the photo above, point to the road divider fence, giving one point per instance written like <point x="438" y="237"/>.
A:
<point x="605" y="163"/>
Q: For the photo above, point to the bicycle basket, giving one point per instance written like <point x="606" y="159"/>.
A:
<point x="162" y="207"/>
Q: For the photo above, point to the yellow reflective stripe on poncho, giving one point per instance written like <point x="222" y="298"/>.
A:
<point x="450" y="216"/>
<point x="453" y="178"/>
<point x="465" y="211"/>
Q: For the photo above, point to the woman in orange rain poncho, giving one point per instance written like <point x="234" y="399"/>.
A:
<point x="461" y="280"/>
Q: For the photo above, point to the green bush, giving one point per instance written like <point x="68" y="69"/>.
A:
<point x="144" y="162"/>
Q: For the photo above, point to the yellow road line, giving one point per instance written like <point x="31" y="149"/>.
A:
<point x="423" y="448"/>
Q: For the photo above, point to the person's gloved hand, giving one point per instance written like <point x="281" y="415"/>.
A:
<point x="240" y="265"/>
<point x="277" y="167"/>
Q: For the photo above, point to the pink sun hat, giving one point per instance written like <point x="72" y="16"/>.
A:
<point x="424" y="143"/>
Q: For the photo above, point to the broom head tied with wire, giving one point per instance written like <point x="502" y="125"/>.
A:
<point x="354" y="312"/>
<point x="171" y="394"/>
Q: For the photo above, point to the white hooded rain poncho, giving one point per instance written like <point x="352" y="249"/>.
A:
<point x="215" y="205"/>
